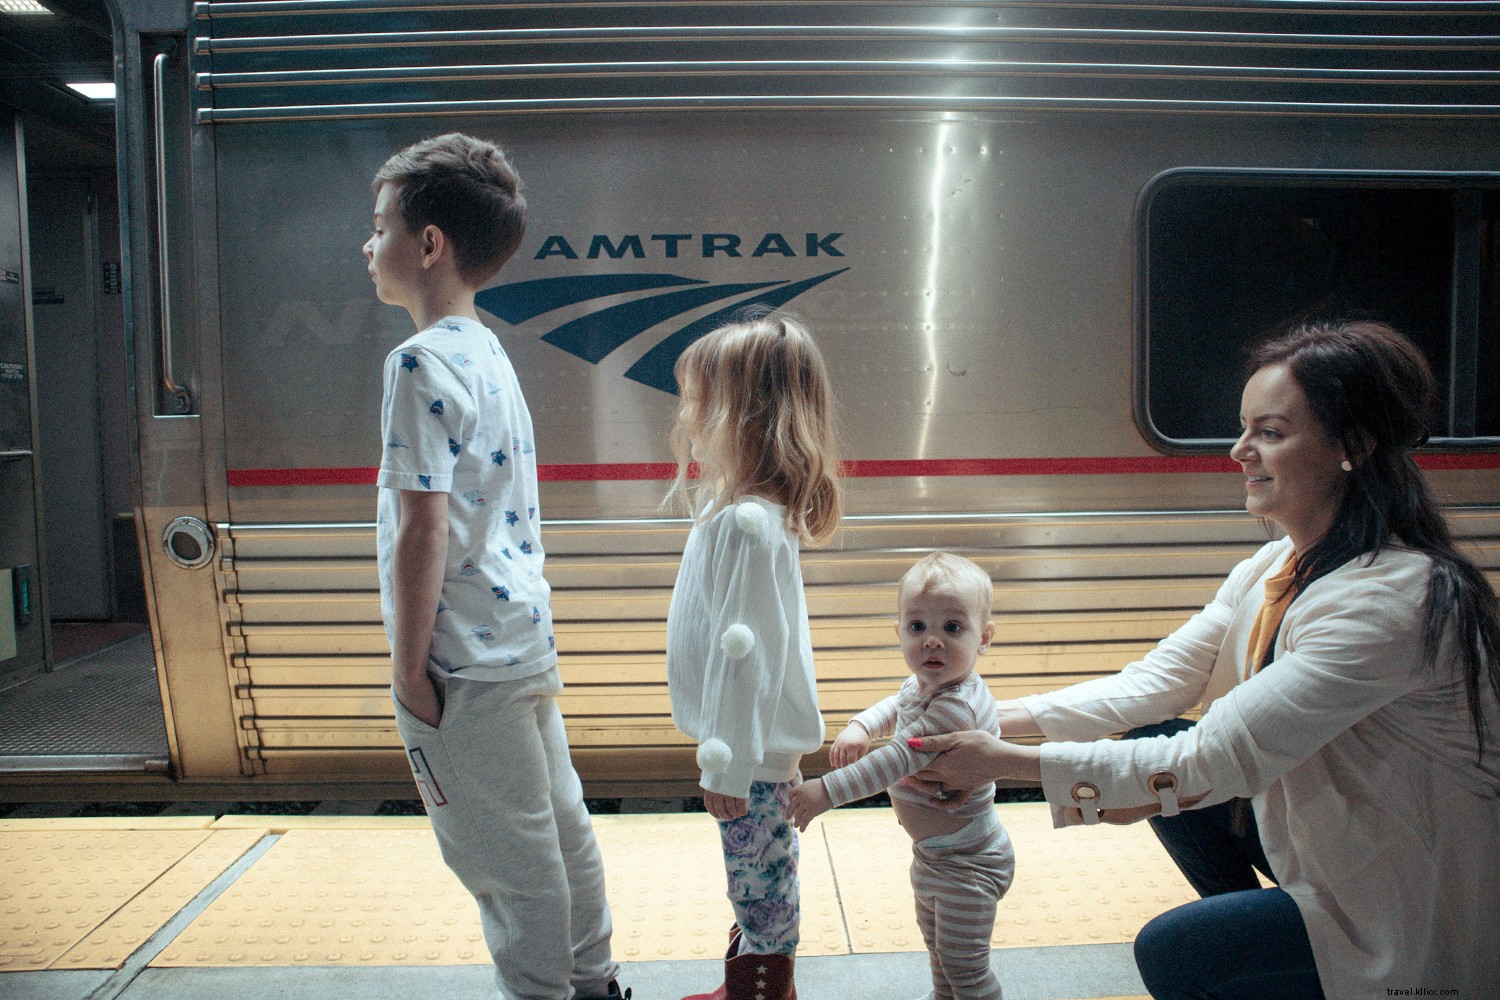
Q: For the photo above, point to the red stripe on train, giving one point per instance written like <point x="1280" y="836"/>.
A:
<point x="861" y="469"/>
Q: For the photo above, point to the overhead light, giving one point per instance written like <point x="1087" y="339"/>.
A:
<point x="22" y="7"/>
<point x="93" y="91"/>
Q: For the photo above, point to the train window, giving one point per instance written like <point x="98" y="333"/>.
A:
<point x="1228" y="259"/>
<point x="1487" y="374"/>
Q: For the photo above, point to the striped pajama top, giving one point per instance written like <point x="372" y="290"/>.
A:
<point x="912" y="712"/>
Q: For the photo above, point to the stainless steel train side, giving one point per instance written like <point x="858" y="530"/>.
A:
<point x="957" y="197"/>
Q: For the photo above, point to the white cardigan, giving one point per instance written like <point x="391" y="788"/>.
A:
<point x="1373" y="811"/>
<point x="739" y="651"/>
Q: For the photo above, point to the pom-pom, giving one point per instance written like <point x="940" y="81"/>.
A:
<point x="737" y="641"/>
<point x="751" y="517"/>
<point x="714" y="755"/>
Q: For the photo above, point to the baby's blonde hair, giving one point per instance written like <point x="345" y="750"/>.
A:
<point x="963" y="575"/>
<point x="756" y="397"/>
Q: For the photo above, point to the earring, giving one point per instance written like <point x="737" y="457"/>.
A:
<point x="1346" y="465"/>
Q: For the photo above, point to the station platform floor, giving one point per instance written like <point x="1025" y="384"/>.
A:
<point x="180" y="906"/>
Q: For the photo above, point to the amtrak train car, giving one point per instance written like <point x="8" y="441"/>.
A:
<point x="1032" y="238"/>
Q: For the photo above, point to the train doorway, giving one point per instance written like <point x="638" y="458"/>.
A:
<point x="81" y="693"/>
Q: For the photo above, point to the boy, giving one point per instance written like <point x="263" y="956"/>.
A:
<point x="962" y="859"/>
<point x="465" y="605"/>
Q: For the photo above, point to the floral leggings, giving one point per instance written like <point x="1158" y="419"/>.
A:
<point x="760" y="857"/>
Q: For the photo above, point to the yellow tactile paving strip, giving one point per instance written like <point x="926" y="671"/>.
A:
<point x="59" y="887"/>
<point x="338" y="897"/>
<point x="330" y="896"/>
<point x="282" y="824"/>
<point x="112" y="942"/>
<point x="361" y="891"/>
<point x="109" y="823"/>
<point x="1095" y="886"/>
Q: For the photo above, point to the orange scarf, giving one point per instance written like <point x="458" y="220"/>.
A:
<point x="1280" y="590"/>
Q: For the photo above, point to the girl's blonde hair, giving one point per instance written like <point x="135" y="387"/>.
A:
<point x="756" y="398"/>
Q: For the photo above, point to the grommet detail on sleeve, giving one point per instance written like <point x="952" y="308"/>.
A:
<point x="1164" y="784"/>
<point x="737" y="641"/>
<point x="1086" y="794"/>
<point x="751" y="517"/>
<point x="714" y="756"/>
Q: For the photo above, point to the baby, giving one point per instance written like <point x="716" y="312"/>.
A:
<point x="962" y="858"/>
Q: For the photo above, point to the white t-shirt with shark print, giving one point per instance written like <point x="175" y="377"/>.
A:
<point x="453" y="420"/>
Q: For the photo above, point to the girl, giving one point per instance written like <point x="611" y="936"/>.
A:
<point x="755" y="417"/>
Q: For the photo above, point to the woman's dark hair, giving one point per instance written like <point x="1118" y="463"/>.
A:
<point x="1371" y="390"/>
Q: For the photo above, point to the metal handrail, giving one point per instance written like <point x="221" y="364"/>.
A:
<point x="781" y="68"/>
<point x="204" y="10"/>
<point x="164" y="269"/>
<point x="742" y="33"/>
<point x="782" y="102"/>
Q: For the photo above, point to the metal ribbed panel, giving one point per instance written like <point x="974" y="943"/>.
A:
<point x="360" y="59"/>
<point x="1075" y="597"/>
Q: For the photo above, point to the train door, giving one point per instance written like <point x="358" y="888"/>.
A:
<point x="168" y="248"/>
<point x="96" y="708"/>
<point x="162" y="359"/>
<point x="67" y="319"/>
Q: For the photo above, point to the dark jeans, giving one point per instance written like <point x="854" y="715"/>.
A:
<point x="1239" y="942"/>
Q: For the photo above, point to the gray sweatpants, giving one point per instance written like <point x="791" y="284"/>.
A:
<point x="958" y="879"/>
<point x="507" y="808"/>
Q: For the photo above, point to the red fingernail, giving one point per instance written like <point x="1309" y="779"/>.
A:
<point x="915" y="743"/>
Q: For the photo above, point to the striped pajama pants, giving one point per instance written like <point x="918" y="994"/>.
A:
<point x="958" y="879"/>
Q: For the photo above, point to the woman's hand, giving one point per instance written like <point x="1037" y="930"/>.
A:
<point x="969" y="759"/>
<point x="723" y="807"/>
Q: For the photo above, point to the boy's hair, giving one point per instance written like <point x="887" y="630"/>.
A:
<point x="468" y="189"/>
<point x="964" y="576"/>
<point x="756" y="396"/>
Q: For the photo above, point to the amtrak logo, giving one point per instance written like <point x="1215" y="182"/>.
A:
<point x="595" y="335"/>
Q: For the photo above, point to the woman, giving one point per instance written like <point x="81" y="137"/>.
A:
<point x="1351" y="691"/>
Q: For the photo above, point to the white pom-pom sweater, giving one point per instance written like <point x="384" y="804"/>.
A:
<point x="763" y="702"/>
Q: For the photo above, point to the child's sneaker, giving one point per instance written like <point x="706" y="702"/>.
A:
<point x="613" y="994"/>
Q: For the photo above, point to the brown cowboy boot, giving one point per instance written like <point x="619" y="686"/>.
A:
<point x="751" y="976"/>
